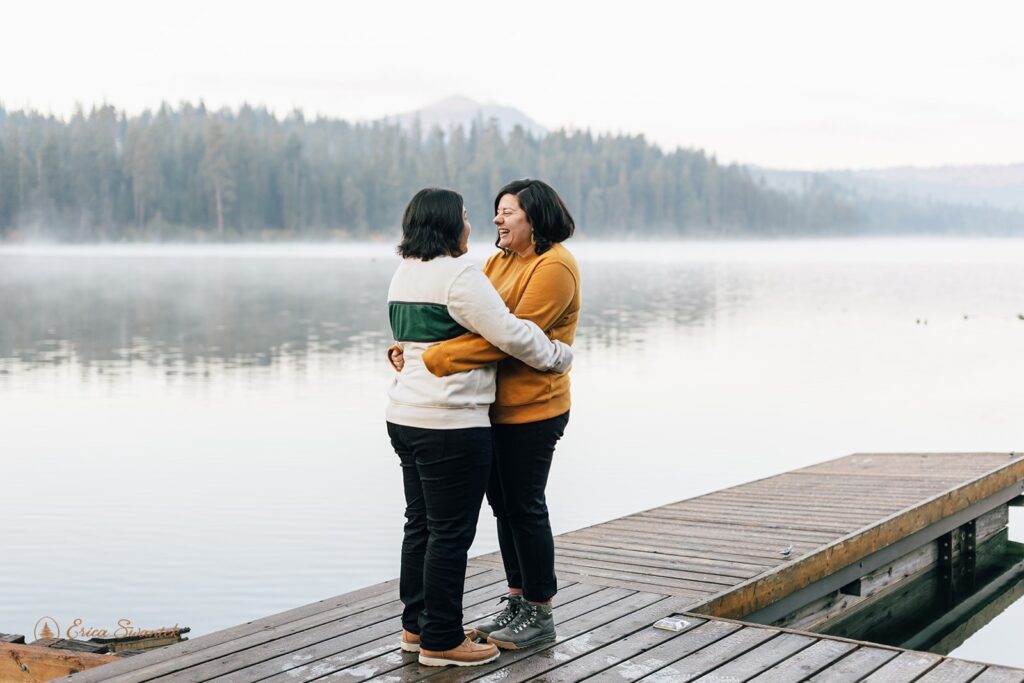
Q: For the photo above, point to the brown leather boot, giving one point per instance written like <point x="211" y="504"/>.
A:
<point x="410" y="641"/>
<point x="467" y="653"/>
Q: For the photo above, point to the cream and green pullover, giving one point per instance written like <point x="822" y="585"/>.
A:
<point x="431" y="301"/>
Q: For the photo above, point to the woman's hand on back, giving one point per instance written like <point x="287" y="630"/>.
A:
<point x="396" y="357"/>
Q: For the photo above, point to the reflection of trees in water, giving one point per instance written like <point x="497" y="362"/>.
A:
<point x="168" y="312"/>
<point x="621" y="301"/>
<point x="230" y="312"/>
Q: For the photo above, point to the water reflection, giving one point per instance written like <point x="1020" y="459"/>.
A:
<point x="191" y="312"/>
<point x="110" y="314"/>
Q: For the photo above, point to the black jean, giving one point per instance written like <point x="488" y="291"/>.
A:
<point x="522" y="461"/>
<point x="445" y="473"/>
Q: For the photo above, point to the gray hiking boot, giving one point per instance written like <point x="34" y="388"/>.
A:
<point x="502" y="618"/>
<point x="534" y="624"/>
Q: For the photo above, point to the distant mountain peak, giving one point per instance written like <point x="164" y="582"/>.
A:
<point x="458" y="110"/>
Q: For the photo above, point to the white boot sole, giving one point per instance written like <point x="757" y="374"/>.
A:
<point x="442" y="661"/>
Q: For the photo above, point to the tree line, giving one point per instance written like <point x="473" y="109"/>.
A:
<point x="189" y="173"/>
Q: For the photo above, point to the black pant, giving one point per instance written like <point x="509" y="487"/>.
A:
<point x="445" y="472"/>
<point x="522" y="461"/>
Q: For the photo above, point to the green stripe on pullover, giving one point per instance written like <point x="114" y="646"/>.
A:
<point x="422" y="322"/>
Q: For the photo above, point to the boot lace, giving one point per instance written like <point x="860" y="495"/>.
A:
<point x="527" y="617"/>
<point x="512" y="608"/>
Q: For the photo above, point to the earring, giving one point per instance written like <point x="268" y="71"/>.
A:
<point x="532" y="240"/>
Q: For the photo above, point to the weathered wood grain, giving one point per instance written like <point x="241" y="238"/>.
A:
<point x="759" y="659"/>
<point x="664" y="652"/>
<point x="952" y="671"/>
<point x="856" y="666"/>
<point x="906" y="667"/>
<point x="806" y="663"/>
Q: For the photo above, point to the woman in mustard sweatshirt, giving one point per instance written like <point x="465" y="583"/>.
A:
<point x="539" y="280"/>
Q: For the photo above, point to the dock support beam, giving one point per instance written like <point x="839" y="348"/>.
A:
<point x="958" y="574"/>
<point x="847" y="575"/>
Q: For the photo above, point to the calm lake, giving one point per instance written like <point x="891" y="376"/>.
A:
<point x="195" y="435"/>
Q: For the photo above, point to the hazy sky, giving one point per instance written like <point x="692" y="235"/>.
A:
<point x="785" y="84"/>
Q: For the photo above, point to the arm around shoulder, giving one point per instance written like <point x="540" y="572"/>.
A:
<point x="474" y="304"/>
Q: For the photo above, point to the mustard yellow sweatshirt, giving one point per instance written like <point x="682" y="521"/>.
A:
<point x="544" y="289"/>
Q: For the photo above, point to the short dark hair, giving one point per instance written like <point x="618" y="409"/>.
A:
<point x="432" y="224"/>
<point x="547" y="213"/>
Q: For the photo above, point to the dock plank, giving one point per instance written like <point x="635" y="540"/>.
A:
<point x="665" y="652"/>
<point x="996" y="674"/>
<point x="806" y="663"/>
<point x="906" y="667"/>
<point x="855" y="667"/>
<point x="577" y="636"/>
<point x="952" y="671"/>
<point x="288" y="654"/>
<point x="711" y="657"/>
<point x="637" y="641"/>
<point x="718" y="568"/>
<point x="383" y="654"/>
<point x="759" y="659"/>
<point x="564" y="616"/>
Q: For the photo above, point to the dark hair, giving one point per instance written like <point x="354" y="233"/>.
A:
<point x="547" y="213"/>
<point x="432" y="224"/>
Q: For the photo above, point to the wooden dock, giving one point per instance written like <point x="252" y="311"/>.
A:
<point x="755" y="552"/>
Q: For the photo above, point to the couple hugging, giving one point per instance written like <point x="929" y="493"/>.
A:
<point x="479" y="402"/>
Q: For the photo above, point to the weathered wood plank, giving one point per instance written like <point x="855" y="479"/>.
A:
<point x="662" y="652"/>
<point x="701" y="580"/>
<point x="380" y="653"/>
<point x="722" y="528"/>
<point x="354" y="601"/>
<point x="695" y="598"/>
<point x="702" y="572"/>
<point x="190" y="653"/>
<point x="564" y="617"/>
<point x="767" y="549"/>
<point x="782" y="514"/>
<point x="996" y="674"/>
<point x="674" y="543"/>
<point x="757" y="660"/>
<point x="289" y="653"/>
<point x="712" y="656"/>
<point x="854" y="667"/>
<point x="696" y="552"/>
<point x="906" y="667"/>
<point x="719" y="567"/>
<point x="31" y="663"/>
<point x="603" y="653"/>
<point x="680" y="586"/>
<point x="807" y="662"/>
<point x="900" y="463"/>
<point x="806" y="502"/>
<point x="953" y="671"/>
<point x="577" y="636"/>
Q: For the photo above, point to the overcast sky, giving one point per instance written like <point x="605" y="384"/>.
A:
<point x="785" y="84"/>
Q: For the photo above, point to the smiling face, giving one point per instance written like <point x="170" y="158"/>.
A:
<point x="514" y="229"/>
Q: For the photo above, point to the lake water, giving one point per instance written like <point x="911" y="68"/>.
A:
<point x="195" y="435"/>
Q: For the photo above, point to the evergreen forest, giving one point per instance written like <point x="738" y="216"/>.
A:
<point x="186" y="173"/>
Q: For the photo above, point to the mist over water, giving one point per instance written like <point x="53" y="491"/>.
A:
<point x="195" y="435"/>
